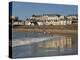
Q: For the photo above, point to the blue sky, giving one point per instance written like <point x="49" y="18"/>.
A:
<point x="25" y="10"/>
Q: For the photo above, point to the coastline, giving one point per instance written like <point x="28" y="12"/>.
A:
<point x="60" y="29"/>
<point x="55" y="31"/>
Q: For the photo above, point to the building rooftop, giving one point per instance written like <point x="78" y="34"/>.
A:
<point x="46" y="15"/>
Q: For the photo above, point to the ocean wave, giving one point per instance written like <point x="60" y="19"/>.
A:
<point x="28" y="41"/>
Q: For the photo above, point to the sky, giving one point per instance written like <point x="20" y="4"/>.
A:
<point x="24" y="10"/>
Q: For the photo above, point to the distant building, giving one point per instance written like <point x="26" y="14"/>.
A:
<point x="74" y="19"/>
<point x="52" y="19"/>
<point x="20" y="22"/>
<point x="15" y="21"/>
<point x="13" y="18"/>
<point x="46" y="19"/>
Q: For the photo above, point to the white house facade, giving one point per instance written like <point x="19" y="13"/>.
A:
<point x="51" y="20"/>
<point x="48" y="19"/>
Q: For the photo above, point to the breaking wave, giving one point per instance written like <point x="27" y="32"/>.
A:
<point x="28" y="41"/>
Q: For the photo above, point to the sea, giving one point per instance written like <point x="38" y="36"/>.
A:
<point x="30" y="44"/>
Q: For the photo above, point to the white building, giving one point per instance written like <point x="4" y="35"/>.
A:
<point x="51" y="19"/>
<point x="18" y="23"/>
<point x="27" y="23"/>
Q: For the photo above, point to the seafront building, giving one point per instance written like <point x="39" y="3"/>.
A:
<point x="46" y="19"/>
<point x="51" y="19"/>
<point x="15" y="21"/>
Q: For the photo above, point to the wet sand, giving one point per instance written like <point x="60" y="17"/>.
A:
<point x="45" y="31"/>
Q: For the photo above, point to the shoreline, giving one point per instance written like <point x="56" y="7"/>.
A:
<point x="51" y="31"/>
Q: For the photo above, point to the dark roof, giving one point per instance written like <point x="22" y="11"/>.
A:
<point x="46" y="15"/>
<point x="51" y="15"/>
